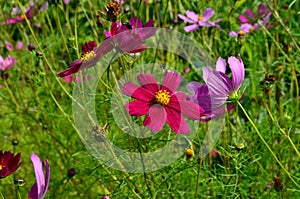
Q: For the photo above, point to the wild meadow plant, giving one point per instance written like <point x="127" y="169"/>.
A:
<point x="89" y="85"/>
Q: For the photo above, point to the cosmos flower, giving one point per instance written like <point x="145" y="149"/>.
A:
<point x="7" y="63"/>
<point x="161" y="103"/>
<point x="199" y="20"/>
<point x="243" y="30"/>
<point x="90" y="55"/>
<point x="8" y="163"/>
<point x="40" y="187"/>
<point x="128" y="37"/>
<point x="18" y="46"/>
<point x="220" y="92"/>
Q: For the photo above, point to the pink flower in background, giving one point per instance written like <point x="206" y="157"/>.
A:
<point x="78" y="79"/>
<point x="144" y="31"/>
<point x="67" y="1"/>
<point x="9" y="162"/>
<point x="90" y="55"/>
<point x="40" y="187"/>
<point x="243" y="30"/>
<point x="30" y="12"/>
<point x="7" y="63"/>
<point x="18" y="46"/>
<point x="161" y="103"/>
<point x="217" y="95"/>
<point x="199" y="20"/>
<point x="263" y="15"/>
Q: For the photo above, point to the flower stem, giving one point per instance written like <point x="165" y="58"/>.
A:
<point x="266" y="144"/>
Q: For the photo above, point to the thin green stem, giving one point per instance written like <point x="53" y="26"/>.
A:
<point x="267" y="145"/>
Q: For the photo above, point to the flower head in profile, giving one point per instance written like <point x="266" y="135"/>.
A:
<point x="220" y="92"/>
<point x="7" y="62"/>
<point x="90" y="55"/>
<point x="199" y="20"/>
<point x="161" y="103"/>
<point x="40" y="187"/>
<point x="9" y="163"/>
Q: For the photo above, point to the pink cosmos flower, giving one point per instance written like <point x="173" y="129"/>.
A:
<point x="217" y="95"/>
<point x="18" y="46"/>
<point x="199" y="20"/>
<point x="67" y="1"/>
<point x="161" y="103"/>
<point x="90" y="55"/>
<point x="40" y="187"/>
<point x="7" y="63"/>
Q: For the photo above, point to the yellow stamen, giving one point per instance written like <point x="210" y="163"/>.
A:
<point x="88" y="56"/>
<point x="242" y="33"/>
<point x="1" y="167"/>
<point x="200" y="18"/>
<point x="22" y="16"/>
<point x="163" y="97"/>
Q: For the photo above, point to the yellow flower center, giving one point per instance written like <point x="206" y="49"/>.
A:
<point x="1" y="167"/>
<point x="241" y="33"/>
<point x="88" y="56"/>
<point x="200" y="18"/>
<point x="22" y="16"/>
<point x="163" y="97"/>
<point x="252" y="29"/>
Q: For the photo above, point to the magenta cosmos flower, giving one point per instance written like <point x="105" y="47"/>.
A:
<point x="129" y="37"/>
<point x="161" y="103"/>
<point x="220" y="92"/>
<point x="7" y="63"/>
<point x="243" y="30"/>
<point x="90" y="55"/>
<point x="199" y="20"/>
<point x="8" y="163"/>
<point x="40" y="187"/>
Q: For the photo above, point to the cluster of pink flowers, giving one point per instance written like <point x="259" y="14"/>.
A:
<point x="249" y="20"/>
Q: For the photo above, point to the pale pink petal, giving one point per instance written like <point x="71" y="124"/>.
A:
<point x="39" y="174"/>
<point x="171" y="81"/>
<point x="192" y="15"/>
<point x="233" y="34"/>
<point x="244" y="19"/>
<point x="191" y="28"/>
<point x="206" y="72"/>
<point x="148" y="82"/>
<point x="193" y="86"/>
<point x="176" y="121"/>
<point x="137" y="108"/>
<point x="156" y="118"/>
<point x="238" y="72"/>
<point x="184" y="18"/>
<point x="207" y="14"/>
<point x="221" y="65"/>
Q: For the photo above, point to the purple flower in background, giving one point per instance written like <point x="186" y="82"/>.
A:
<point x="18" y="46"/>
<point x="217" y="95"/>
<point x="263" y="16"/>
<point x="40" y="187"/>
<point x="67" y="1"/>
<point x="243" y="30"/>
<point x="145" y="31"/>
<point x="199" y="20"/>
<point x="7" y="63"/>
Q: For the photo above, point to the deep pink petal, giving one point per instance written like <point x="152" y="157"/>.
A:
<point x="156" y="118"/>
<point x="136" y="22"/>
<point x="148" y="82"/>
<point x="238" y="72"/>
<point x="244" y="19"/>
<point x="176" y="121"/>
<point x="73" y="68"/>
<point x="250" y="14"/>
<point x="88" y="46"/>
<point x="149" y="23"/>
<point x="137" y="92"/>
<point x="193" y="86"/>
<point x="207" y="14"/>
<point x="137" y="108"/>
<point x="47" y="180"/>
<point x="171" y="81"/>
<point x="191" y="28"/>
<point x="221" y="65"/>
<point x="33" y="193"/>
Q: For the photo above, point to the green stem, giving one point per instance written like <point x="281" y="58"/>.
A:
<point x="267" y="145"/>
